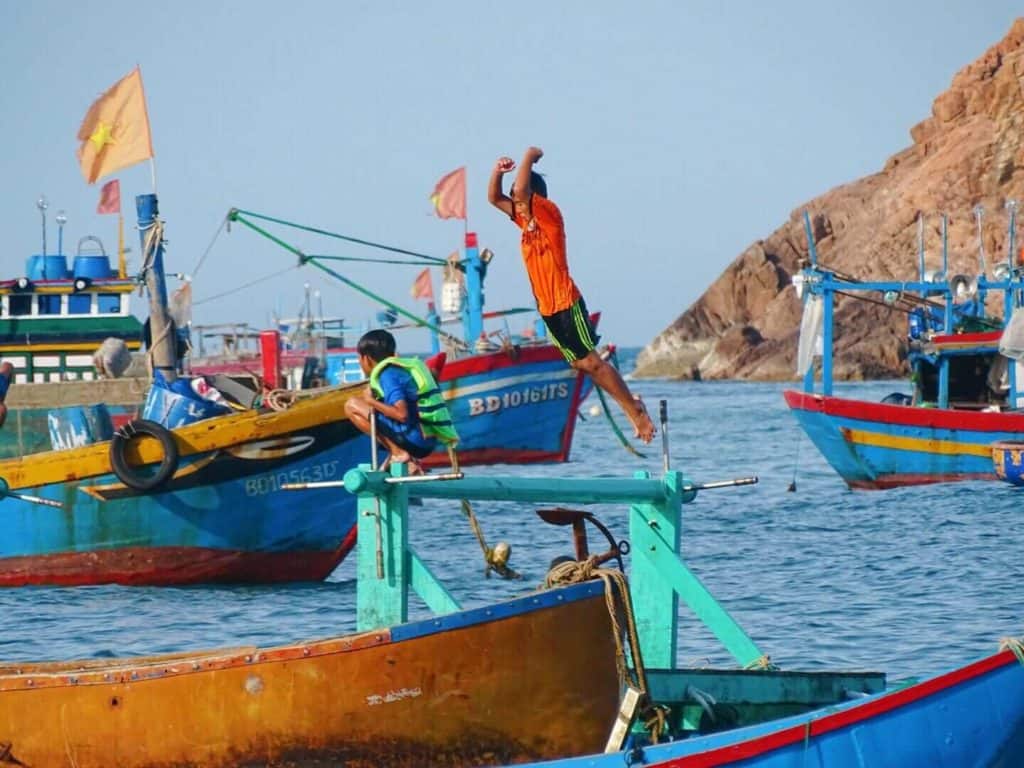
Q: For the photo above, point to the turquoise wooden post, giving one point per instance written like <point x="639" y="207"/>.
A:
<point x="382" y="602"/>
<point x="655" y="603"/>
<point x="659" y="577"/>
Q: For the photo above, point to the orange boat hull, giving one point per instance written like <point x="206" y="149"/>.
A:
<point x="498" y="685"/>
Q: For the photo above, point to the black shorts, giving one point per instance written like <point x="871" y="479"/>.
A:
<point x="572" y="331"/>
<point x="416" y="450"/>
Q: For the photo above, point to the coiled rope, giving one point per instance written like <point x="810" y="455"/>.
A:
<point x="618" y="600"/>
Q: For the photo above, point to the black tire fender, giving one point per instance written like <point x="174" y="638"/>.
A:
<point x="129" y="474"/>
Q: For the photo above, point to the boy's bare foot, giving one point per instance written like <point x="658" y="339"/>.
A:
<point x="403" y="457"/>
<point x="642" y="425"/>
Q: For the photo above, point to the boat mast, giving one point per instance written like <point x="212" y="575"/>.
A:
<point x="161" y="332"/>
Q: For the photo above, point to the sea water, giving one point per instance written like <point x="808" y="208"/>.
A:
<point x="909" y="581"/>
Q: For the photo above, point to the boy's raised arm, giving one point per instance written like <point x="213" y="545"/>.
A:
<point x="497" y="198"/>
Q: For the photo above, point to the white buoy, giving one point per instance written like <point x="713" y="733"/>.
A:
<point x="595" y="410"/>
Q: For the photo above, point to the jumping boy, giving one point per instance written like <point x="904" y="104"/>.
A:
<point x="558" y="299"/>
<point x="412" y="415"/>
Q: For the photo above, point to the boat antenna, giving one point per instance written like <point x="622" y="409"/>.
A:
<point x="42" y="205"/>
<point x="979" y="214"/>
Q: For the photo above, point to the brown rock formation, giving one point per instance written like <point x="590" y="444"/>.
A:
<point x="968" y="153"/>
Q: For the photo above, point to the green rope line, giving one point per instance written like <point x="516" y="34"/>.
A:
<point x="234" y="214"/>
<point x="615" y="427"/>
<point x="357" y="258"/>
<point x="304" y="259"/>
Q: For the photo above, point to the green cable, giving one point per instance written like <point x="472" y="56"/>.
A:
<point x="234" y="213"/>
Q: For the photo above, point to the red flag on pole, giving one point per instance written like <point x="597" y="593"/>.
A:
<point x="422" y="287"/>
<point x="110" y="198"/>
<point x="449" y="197"/>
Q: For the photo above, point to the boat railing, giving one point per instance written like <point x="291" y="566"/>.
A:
<point x="388" y="569"/>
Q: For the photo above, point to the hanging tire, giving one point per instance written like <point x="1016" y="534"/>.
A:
<point x="136" y="476"/>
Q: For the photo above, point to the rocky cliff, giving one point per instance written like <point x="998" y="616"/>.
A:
<point x="968" y="153"/>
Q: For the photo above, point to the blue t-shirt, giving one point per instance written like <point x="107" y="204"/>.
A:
<point x="397" y="384"/>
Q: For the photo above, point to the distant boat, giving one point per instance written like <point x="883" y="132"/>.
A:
<point x="53" y="319"/>
<point x="515" y="401"/>
<point x="965" y="394"/>
<point x="198" y="503"/>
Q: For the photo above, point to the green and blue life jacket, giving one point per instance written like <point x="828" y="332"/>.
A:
<point x="435" y="418"/>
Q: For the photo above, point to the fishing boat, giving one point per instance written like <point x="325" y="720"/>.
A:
<point x="582" y="671"/>
<point x="176" y="500"/>
<point x="970" y="716"/>
<point x="512" y="396"/>
<point x="965" y="384"/>
<point x="54" y="319"/>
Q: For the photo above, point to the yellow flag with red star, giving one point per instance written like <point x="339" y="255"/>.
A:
<point x="115" y="131"/>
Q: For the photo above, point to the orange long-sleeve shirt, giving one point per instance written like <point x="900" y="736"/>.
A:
<point x="543" y="247"/>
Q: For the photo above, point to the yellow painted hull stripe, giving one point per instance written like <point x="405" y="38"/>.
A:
<point x="918" y="444"/>
<point x="84" y="346"/>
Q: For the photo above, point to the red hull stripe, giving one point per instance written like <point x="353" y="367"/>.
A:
<point x="495" y="361"/>
<point x="161" y="566"/>
<point x="904" y="415"/>
<point x="498" y="456"/>
<point x="858" y="714"/>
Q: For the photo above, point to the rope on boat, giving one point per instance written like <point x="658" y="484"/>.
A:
<point x="1014" y="644"/>
<point x="613" y="359"/>
<point x="223" y="224"/>
<point x="347" y="238"/>
<point x="496" y="558"/>
<point x="154" y="235"/>
<point x="250" y="284"/>
<point x="618" y="600"/>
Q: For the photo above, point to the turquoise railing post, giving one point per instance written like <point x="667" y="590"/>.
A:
<point x="658" y="578"/>
<point x="383" y="600"/>
<point x="382" y="523"/>
<point x="653" y="527"/>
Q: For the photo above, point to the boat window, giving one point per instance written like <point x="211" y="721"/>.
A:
<point x="21" y="304"/>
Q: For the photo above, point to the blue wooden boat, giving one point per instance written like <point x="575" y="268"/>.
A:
<point x="220" y="516"/>
<point x="966" y="394"/>
<point x="200" y="503"/>
<point x="513" y="402"/>
<point x="971" y="716"/>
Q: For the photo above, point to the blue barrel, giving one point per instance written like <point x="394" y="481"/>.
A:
<point x="171" y="409"/>
<point x="1008" y="461"/>
<point x="79" y="425"/>
<point x="92" y="265"/>
<point x="48" y="267"/>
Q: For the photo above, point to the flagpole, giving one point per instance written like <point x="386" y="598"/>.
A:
<point x="152" y="172"/>
<point x="122" y="267"/>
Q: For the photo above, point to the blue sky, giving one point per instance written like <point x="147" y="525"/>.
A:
<point x="675" y="133"/>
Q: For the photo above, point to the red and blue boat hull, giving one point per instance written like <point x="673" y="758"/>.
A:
<point x="972" y="716"/>
<point x="515" y="406"/>
<point x="878" y="445"/>
<point x="223" y="517"/>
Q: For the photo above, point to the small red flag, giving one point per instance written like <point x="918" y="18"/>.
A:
<point x="449" y="196"/>
<point x="422" y="287"/>
<point x="110" y="198"/>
